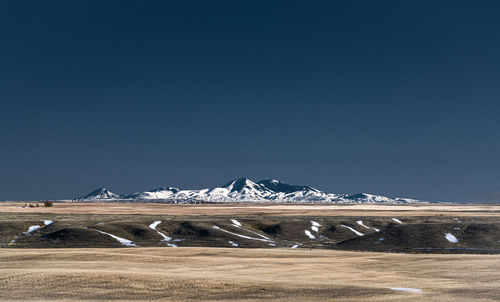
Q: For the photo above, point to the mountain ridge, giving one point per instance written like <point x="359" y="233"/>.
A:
<point x="243" y="190"/>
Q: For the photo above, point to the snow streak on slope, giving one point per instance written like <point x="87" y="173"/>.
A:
<point x="397" y="220"/>
<point x="241" y="236"/>
<point x="123" y="241"/>
<point x="360" y="222"/>
<point x="154" y="225"/>
<point x="308" y="234"/>
<point x="356" y="232"/>
<point x="31" y="229"/>
<point x="236" y="222"/>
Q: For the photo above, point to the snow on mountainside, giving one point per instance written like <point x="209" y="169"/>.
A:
<point x="244" y="190"/>
<point x="278" y="186"/>
<point x="363" y="197"/>
<point x="160" y="193"/>
<point x="101" y="193"/>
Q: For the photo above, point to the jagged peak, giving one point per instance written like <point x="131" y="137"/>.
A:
<point x="101" y="193"/>
<point x="241" y="183"/>
<point x="279" y="186"/>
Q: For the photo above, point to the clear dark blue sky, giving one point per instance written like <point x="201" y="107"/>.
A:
<point x="400" y="98"/>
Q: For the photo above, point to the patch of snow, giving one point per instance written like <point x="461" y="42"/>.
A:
<point x="315" y="228"/>
<point x="48" y="222"/>
<point x="407" y="289"/>
<point x="165" y="237"/>
<point x="233" y="243"/>
<point x="31" y="229"/>
<point x="260" y="235"/>
<point x="356" y="232"/>
<point x="451" y="238"/>
<point x="236" y="222"/>
<point x="154" y="225"/>
<point x="314" y="223"/>
<point x="397" y="220"/>
<point x="241" y="236"/>
<point x="123" y="241"/>
<point x="255" y="233"/>
<point x="308" y="233"/>
<point x="360" y="222"/>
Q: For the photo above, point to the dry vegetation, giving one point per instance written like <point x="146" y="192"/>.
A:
<point x="243" y="274"/>
<point x="414" y="234"/>
<point x="228" y="274"/>
<point x="258" y="209"/>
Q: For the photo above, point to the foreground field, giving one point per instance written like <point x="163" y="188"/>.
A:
<point x="244" y="274"/>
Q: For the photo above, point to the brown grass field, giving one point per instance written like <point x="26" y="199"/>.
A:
<point x="215" y="274"/>
<point x="258" y="209"/>
<point x="241" y="274"/>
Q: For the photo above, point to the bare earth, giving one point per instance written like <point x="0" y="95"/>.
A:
<point x="243" y="274"/>
<point x="259" y="209"/>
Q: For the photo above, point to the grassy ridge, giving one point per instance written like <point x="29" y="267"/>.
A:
<point x="425" y="234"/>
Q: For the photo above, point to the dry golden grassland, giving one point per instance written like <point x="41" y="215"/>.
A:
<point x="229" y="274"/>
<point x="258" y="209"/>
<point x="217" y="274"/>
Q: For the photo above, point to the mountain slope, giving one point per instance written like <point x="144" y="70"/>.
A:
<point x="101" y="194"/>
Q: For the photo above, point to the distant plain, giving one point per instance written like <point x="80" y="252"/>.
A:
<point x="258" y="209"/>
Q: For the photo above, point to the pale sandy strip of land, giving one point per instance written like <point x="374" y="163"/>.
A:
<point x="187" y="274"/>
<point x="259" y="209"/>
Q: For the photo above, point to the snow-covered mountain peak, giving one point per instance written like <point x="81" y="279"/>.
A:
<point x="101" y="193"/>
<point x="158" y="193"/>
<point x="278" y="186"/>
<point x="245" y="190"/>
<point x="243" y="184"/>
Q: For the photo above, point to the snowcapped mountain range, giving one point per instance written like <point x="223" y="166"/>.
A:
<point x="243" y="190"/>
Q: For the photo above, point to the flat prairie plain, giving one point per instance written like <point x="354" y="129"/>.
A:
<point x="257" y="209"/>
<point x="244" y="274"/>
<point x="218" y="274"/>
